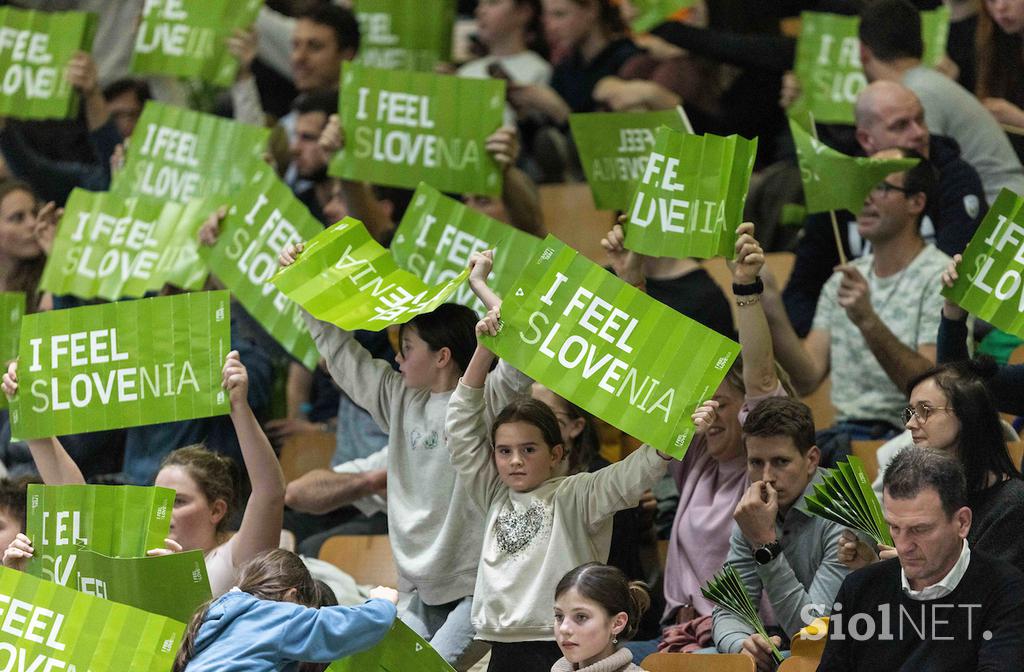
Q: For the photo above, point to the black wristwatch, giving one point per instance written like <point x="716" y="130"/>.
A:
<point x="767" y="553"/>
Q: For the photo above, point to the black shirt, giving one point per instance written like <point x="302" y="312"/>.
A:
<point x="574" y="79"/>
<point x="698" y="297"/>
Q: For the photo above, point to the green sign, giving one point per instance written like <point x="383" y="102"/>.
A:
<point x="172" y="585"/>
<point x="614" y="147"/>
<point x="604" y="345"/>
<point x="401" y="649"/>
<point x="111" y="247"/>
<point x="12" y="309"/>
<point x="346" y="278"/>
<point x="651" y="13"/>
<point x="834" y="181"/>
<point x="845" y="496"/>
<point x="49" y="627"/>
<point x="122" y="364"/>
<point x="187" y="38"/>
<point x="400" y="35"/>
<point x="689" y="200"/>
<point x="438" y="235"/>
<point x="264" y="219"/>
<point x="828" y="62"/>
<point x="990" y="283"/>
<point x="404" y="127"/>
<point x="179" y="155"/>
<point x="35" y="48"/>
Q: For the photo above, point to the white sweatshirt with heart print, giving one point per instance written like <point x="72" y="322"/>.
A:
<point x="532" y="539"/>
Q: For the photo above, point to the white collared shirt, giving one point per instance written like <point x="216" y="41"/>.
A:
<point x="945" y="585"/>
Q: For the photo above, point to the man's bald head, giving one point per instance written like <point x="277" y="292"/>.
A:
<point x="889" y="115"/>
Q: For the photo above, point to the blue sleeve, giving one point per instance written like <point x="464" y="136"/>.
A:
<point x="816" y="256"/>
<point x="329" y="633"/>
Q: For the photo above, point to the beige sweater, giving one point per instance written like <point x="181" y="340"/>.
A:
<point x="532" y="539"/>
<point x="620" y="661"/>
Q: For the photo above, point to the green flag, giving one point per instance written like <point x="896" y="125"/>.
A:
<point x="609" y="348"/>
<point x="400" y="650"/>
<point x="187" y="38"/>
<point x="50" y="627"/>
<point x="990" y="282"/>
<point x="12" y="309"/>
<point x="845" y="497"/>
<point x="179" y="155"/>
<point x="346" y="278"/>
<point x="265" y="217"/>
<point x="35" y="48"/>
<point x="172" y="585"/>
<point x="651" y="13"/>
<point x="614" y="147"/>
<point x="828" y="62"/>
<point x="689" y="199"/>
<point x="438" y="235"/>
<point x="399" y="35"/>
<point x="122" y="364"/>
<point x="834" y="181"/>
<point x="111" y="247"/>
<point x="405" y="127"/>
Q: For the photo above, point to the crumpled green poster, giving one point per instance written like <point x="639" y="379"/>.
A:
<point x="122" y="364"/>
<point x="614" y="148"/>
<point x="346" y="278"/>
<point x="991" y="275"/>
<point x="401" y="650"/>
<point x="403" y="127"/>
<point x="834" y="181"/>
<point x="35" y="48"/>
<point x="111" y="247"/>
<point x="49" y="627"/>
<point x="438" y="235"/>
<point x="265" y="217"/>
<point x="187" y="38"/>
<point x="689" y="199"/>
<point x="604" y="345"/>
<point x="400" y="35"/>
<point x="12" y="309"/>
<point x="828" y="62"/>
<point x="179" y="154"/>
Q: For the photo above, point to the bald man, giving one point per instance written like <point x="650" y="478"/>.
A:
<point x="888" y="115"/>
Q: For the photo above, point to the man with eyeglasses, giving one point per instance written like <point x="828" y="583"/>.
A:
<point x="877" y="318"/>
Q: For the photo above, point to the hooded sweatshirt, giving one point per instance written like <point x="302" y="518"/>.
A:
<point x="241" y="633"/>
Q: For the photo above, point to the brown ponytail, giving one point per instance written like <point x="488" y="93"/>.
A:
<point x="609" y="587"/>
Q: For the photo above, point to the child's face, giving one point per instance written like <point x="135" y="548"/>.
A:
<point x="416" y="361"/>
<point x="523" y="458"/>
<point x="10" y="526"/>
<point x="193" y="520"/>
<point x="584" y="630"/>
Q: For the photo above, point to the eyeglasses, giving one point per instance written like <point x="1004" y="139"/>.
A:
<point x="885" y="187"/>
<point x="921" y="412"/>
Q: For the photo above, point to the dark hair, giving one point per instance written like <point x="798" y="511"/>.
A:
<point x="587" y="445"/>
<point x="27" y="272"/>
<point x="534" y="32"/>
<point x="609" y="16"/>
<point x="532" y="412"/>
<point x="922" y="178"/>
<point x="216" y="476"/>
<point x="448" y="326"/>
<point x="782" y="416"/>
<point x="915" y="469"/>
<point x="891" y="29"/>
<point x="1000" y="59"/>
<point x="268" y="576"/>
<point x="13" y="497"/>
<point x="342" y="21"/>
<point x="318" y="100"/>
<point x="981" y="448"/>
<point x="610" y="588"/>
<point x="137" y="86"/>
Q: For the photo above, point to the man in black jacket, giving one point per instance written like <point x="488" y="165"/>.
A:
<point x="940" y="605"/>
<point x="888" y="115"/>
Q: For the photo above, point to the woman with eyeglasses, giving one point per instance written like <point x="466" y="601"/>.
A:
<point x="951" y="410"/>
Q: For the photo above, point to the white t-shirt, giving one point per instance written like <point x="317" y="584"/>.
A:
<point x="526" y="67"/>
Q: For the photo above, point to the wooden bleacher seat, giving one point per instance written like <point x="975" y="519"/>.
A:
<point x="867" y="451"/>
<point x="820" y="402"/>
<point x="1017" y="356"/>
<point x="366" y="558"/>
<point x="799" y="664"/>
<point x="305" y="452"/>
<point x="696" y="662"/>
<point x="1016" y="450"/>
<point x="569" y="214"/>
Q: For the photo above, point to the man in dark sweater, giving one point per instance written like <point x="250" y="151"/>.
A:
<point x="940" y="605"/>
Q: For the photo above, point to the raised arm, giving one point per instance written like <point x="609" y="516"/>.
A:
<point x="480" y="264"/>
<point x="759" y="377"/>
<point x="807" y="362"/>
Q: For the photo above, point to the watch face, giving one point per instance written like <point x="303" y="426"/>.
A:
<point x="763" y="555"/>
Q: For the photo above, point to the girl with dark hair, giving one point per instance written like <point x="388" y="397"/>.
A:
<point x="596" y="607"/>
<point x="24" y="236"/>
<point x="205" y="485"/>
<point x="273" y="620"/>
<point x="436" y="532"/>
<point x="999" y="58"/>
<point x="509" y="30"/>
<point x="540" y="523"/>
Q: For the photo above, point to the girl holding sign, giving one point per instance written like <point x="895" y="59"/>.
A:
<point x="435" y="530"/>
<point x="205" y="486"/>
<point x="540" y="524"/>
<point x="24" y="236"/>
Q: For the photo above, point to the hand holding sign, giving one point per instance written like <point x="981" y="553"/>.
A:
<point x="628" y="265"/>
<point x="749" y="256"/>
<point x="854" y="295"/>
<point x="236" y="381"/>
<point x="950" y="310"/>
<point x="18" y="553"/>
<point x="705" y="416"/>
